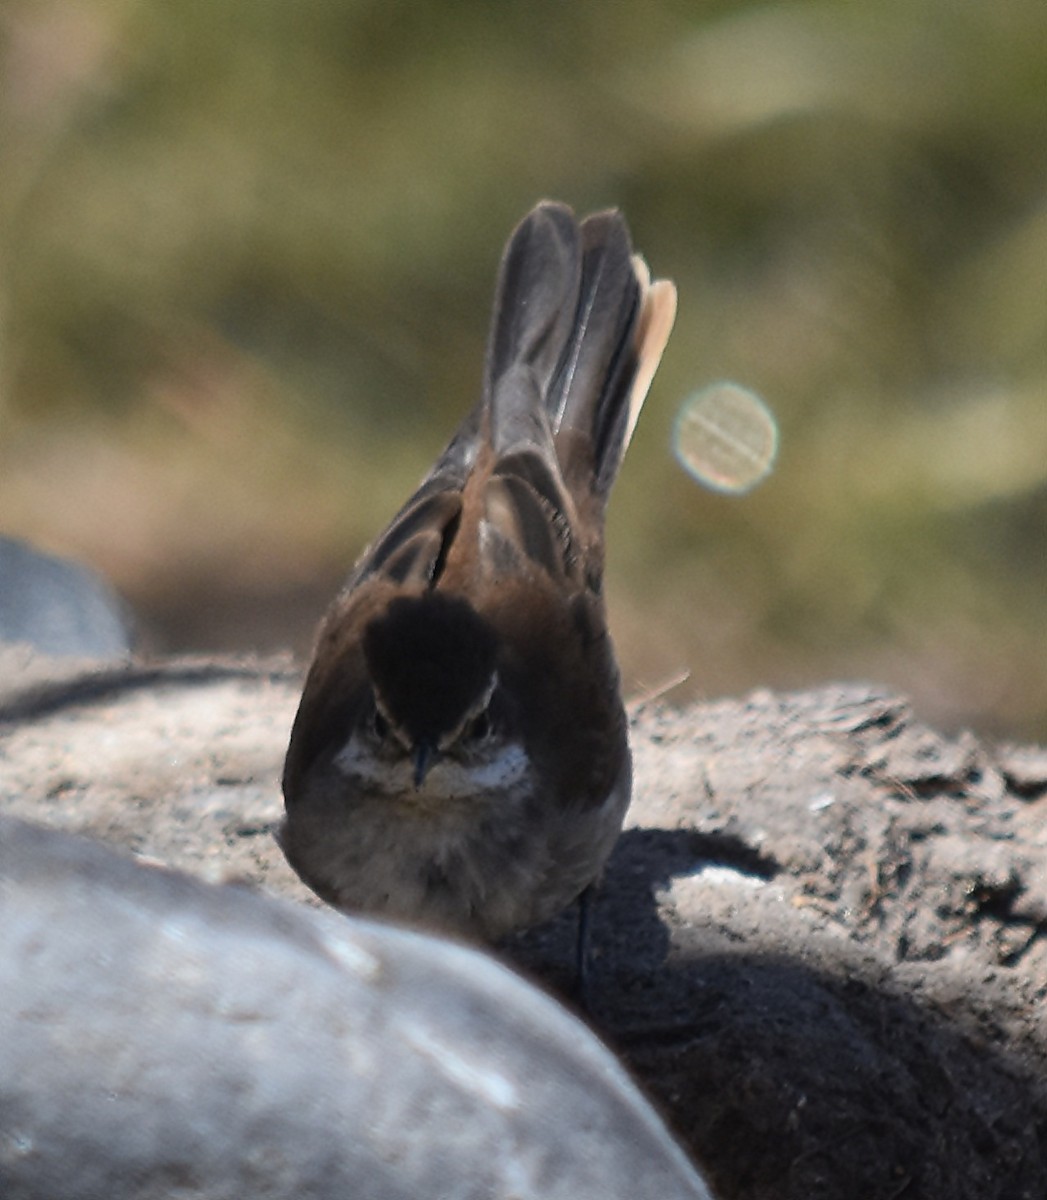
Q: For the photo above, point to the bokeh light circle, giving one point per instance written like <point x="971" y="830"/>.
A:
<point x="726" y="438"/>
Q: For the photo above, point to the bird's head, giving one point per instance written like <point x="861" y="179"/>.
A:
<point x="432" y="661"/>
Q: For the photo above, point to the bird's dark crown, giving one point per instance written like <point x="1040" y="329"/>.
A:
<point x="431" y="658"/>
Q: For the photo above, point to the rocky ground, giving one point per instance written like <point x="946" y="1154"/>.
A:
<point x="820" y="946"/>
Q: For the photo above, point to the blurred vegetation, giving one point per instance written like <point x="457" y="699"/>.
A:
<point x="246" y="259"/>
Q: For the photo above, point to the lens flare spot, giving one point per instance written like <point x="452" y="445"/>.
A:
<point x="726" y="438"/>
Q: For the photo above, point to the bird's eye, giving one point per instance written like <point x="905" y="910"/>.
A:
<point x="379" y="725"/>
<point x="479" y="729"/>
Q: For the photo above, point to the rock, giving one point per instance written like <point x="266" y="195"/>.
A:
<point x="821" y="944"/>
<point x="159" y="1036"/>
<point x="58" y="607"/>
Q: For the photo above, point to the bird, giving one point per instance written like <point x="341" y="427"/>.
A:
<point x="459" y="761"/>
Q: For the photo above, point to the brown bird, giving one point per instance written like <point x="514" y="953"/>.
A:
<point x="460" y="758"/>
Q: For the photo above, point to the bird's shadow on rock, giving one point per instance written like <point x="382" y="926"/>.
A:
<point x="627" y="937"/>
<point x="795" y="1073"/>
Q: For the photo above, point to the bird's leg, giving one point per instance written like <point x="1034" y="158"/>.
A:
<point x="582" y="976"/>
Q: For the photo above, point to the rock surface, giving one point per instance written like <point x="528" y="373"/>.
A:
<point x="162" y="1037"/>
<point x="820" y="946"/>
<point x="58" y="606"/>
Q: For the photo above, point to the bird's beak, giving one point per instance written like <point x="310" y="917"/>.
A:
<point x="424" y="757"/>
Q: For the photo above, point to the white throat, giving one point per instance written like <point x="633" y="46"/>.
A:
<point x="447" y="779"/>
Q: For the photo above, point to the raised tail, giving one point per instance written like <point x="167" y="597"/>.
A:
<point x="577" y="333"/>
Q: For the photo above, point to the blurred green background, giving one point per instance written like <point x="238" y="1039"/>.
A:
<point x="246" y="259"/>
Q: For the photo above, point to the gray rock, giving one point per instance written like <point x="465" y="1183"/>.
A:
<point x="57" y="606"/>
<point x="163" y="1037"/>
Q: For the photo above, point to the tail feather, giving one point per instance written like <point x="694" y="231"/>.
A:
<point x="586" y="401"/>
<point x="655" y="323"/>
<point x="577" y="333"/>
<point x="535" y="300"/>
